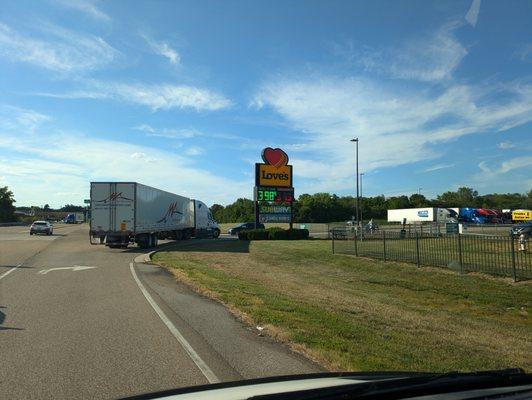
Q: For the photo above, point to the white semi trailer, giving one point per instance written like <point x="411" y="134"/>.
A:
<point x="415" y="215"/>
<point x="129" y="212"/>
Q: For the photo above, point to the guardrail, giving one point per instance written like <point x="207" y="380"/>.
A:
<point x="493" y="254"/>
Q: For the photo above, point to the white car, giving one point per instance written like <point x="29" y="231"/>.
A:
<point x="41" y="227"/>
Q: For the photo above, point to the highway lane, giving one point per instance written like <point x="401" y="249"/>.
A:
<point x="75" y="324"/>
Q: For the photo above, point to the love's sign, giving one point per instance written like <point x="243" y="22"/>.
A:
<point x="274" y="172"/>
<point x="273" y="194"/>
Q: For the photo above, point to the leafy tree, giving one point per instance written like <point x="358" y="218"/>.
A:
<point x="418" y="200"/>
<point x="46" y="207"/>
<point x="463" y="197"/>
<point x="7" y="208"/>
<point x="72" y="208"/>
<point x="326" y="207"/>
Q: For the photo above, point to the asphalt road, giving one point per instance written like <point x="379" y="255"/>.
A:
<point x="76" y="322"/>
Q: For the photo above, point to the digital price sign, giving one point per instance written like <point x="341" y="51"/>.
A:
<point x="273" y="194"/>
<point x="277" y="195"/>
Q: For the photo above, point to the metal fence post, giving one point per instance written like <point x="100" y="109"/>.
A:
<point x="333" y="241"/>
<point x="417" y="250"/>
<point x="384" y="244"/>
<point x="356" y="244"/>
<point x="460" y="253"/>
<point x="512" y="243"/>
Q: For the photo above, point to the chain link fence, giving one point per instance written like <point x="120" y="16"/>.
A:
<point x="493" y="254"/>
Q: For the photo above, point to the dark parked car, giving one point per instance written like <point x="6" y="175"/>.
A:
<point x="244" y="227"/>
<point x="523" y="228"/>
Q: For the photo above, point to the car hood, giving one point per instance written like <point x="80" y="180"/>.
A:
<point x="264" y="386"/>
<point x="339" y="385"/>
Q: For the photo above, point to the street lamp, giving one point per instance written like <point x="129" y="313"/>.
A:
<point x="419" y="191"/>
<point x="357" y="204"/>
<point x="361" y="195"/>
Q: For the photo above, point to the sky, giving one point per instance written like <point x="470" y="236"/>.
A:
<point x="184" y="95"/>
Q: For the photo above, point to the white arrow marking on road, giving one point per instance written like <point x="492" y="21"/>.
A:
<point x="74" y="268"/>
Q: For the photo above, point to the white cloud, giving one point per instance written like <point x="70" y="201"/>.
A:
<point x="426" y="58"/>
<point x="437" y="167"/>
<point x="157" y="97"/>
<point x="144" y="128"/>
<point x="142" y="156"/>
<point x="163" y="49"/>
<point x="519" y="163"/>
<point x="506" y="145"/>
<point x="87" y="7"/>
<point x="168" y="133"/>
<point x="21" y="119"/>
<point x="38" y="167"/>
<point x="395" y="126"/>
<point x="524" y="162"/>
<point x="483" y="165"/>
<point x="524" y="53"/>
<point x="58" y="50"/>
<point x="472" y="14"/>
<point x="194" y="151"/>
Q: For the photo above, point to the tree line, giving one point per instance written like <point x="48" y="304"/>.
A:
<point x="326" y="207"/>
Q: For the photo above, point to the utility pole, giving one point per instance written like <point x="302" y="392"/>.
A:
<point x="361" y="195"/>
<point x="357" y="199"/>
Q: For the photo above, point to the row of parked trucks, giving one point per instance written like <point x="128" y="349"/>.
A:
<point x="467" y="214"/>
<point x="129" y="212"/>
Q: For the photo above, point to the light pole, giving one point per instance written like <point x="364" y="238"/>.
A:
<point x="361" y="195"/>
<point x="357" y="204"/>
<point x="419" y="190"/>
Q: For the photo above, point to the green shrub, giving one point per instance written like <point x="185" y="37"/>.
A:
<point x="253" y="234"/>
<point x="274" y="233"/>
<point x="278" y="234"/>
<point x="297" y="234"/>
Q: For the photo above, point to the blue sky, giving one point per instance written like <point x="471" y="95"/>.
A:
<point x="183" y="95"/>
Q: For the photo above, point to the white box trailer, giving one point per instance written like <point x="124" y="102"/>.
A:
<point x="129" y="212"/>
<point x="415" y="215"/>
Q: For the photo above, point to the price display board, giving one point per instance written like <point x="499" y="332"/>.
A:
<point x="273" y="194"/>
<point x="277" y="195"/>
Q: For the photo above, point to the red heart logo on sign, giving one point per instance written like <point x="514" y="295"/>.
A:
<point x="276" y="157"/>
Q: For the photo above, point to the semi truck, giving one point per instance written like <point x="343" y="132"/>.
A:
<point x="415" y="215"/>
<point x="74" y="218"/>
<point x="129" y="212"/>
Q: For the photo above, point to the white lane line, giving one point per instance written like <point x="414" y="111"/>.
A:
<point x="9" y="271"/>
<point x="74" y="268"/>
<point x="205" y="370"/>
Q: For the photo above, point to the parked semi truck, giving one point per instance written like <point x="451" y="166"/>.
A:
<point x="129" y="212"/>
<point x="74" y="218"/>
<point x="414" y="215"/>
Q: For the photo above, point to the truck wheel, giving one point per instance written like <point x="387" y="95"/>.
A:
<point x="143" y="241"/>
<point x="216" y="233"/>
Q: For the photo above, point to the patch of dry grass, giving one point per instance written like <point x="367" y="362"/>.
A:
<point x="360" y="314"/>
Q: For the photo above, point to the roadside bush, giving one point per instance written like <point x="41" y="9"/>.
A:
<point x="298" y="234"/>
<point x="274" y="233"/>
<point x="253" y="234"/>
<point x="277" y="233"/>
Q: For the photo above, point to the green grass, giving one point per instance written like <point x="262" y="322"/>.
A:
<point x="358" y="314"/>
<point x="479" y="254"/>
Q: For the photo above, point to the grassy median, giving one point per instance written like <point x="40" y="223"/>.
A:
<point x="352" y="313"/>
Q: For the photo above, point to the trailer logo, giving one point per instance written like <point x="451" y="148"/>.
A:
<point x="113" y="197"/>
<point x="423" y="214"/>
<point x="170" y="213"/>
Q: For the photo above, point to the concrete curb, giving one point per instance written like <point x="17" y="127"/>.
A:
<point x="144" y="258"/>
